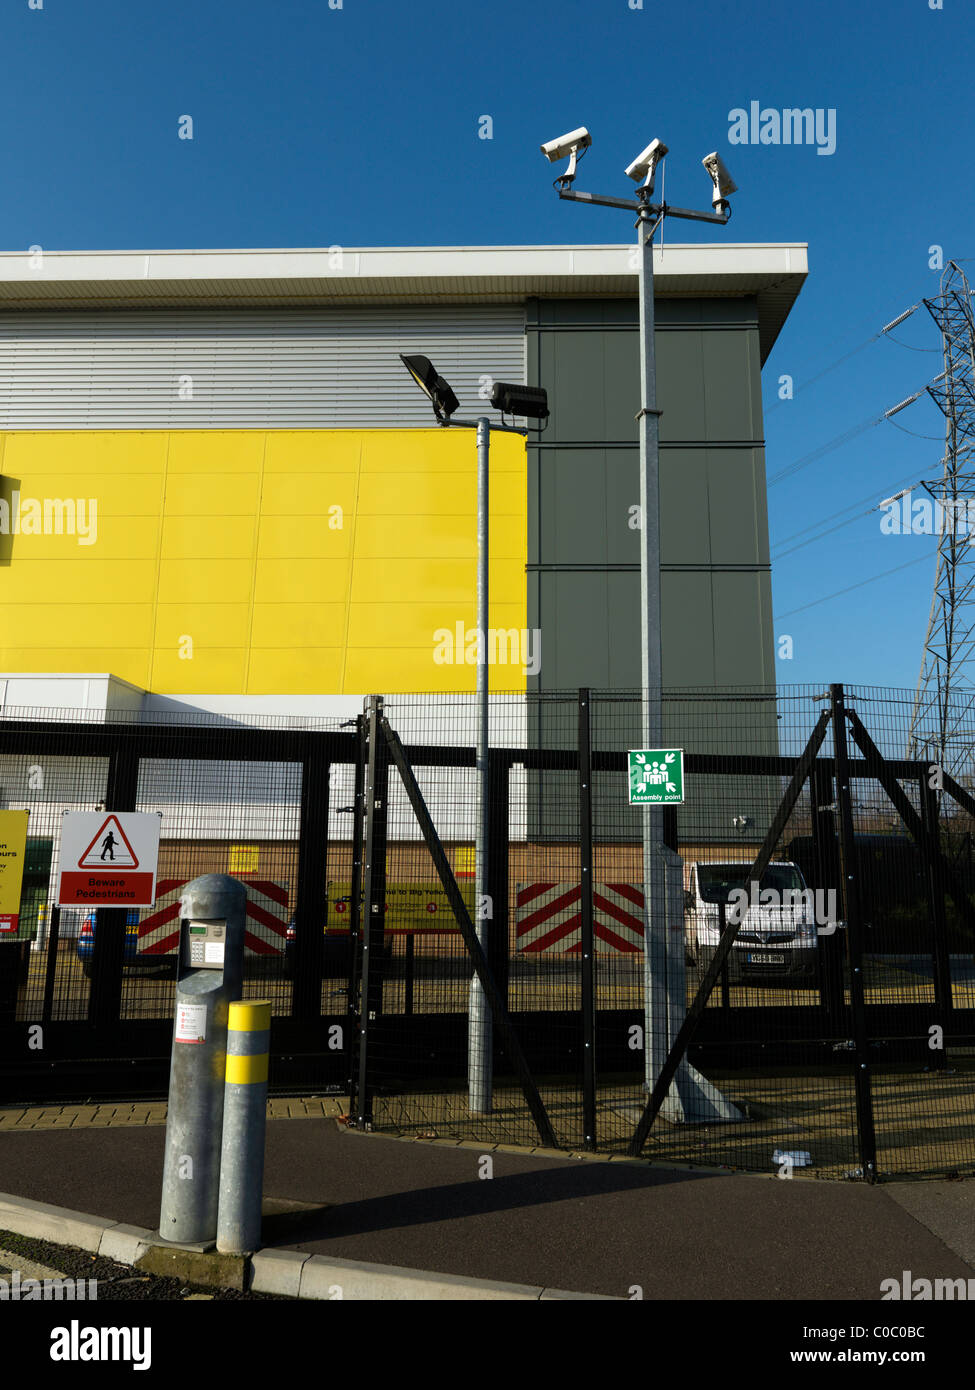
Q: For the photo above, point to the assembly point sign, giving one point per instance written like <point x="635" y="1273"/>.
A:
<point x="657" y="777"/>
<point x="108" y="859"/>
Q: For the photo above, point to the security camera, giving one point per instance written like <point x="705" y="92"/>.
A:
<point x="571" y="145"/>
<point x="645" y="164"/>
<point x="724" y="184"/>
<point x="567" y="144"/>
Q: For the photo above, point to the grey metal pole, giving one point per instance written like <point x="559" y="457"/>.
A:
<point x="692" y="1096"/>
<point x="479" y="1037"/>
<point x="210" y="976"/>
<point x="655" y="1040"/>
<point x="244" y="1127"/>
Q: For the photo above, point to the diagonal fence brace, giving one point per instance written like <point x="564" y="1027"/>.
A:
<point x="722" y="951"/>
<point x="478" y="958"/>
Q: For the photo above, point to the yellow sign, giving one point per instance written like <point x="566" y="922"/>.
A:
<point x="465" y="861"/>
<point x="410" y="907"/>
<point x="243" y="859"/>
<point x="13" y="846"/>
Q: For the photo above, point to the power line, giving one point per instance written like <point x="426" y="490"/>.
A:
<point x="827" y="520"/>
<point x="805" y="385"/>
<point x="849" y="589"/>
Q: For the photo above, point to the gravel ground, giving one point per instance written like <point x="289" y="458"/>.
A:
<point x="116" y="1281"/>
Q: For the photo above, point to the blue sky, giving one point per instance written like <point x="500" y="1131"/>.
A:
<point x="359" y="126"/>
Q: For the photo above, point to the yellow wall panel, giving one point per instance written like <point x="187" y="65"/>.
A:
<point x="89" y="579"/>
<point x="189" y="537"/>
<point x="216" y="451"/>
<point x="308" y="494"/>
<point x="85" y="452"/>
<point x="209" y="670"/>
<point x="208" y="624"/>
<point x="95" y="625"/>
<point x="116" y="494"/>
<point x="307" y="669"/>
<point x="213" y="494"/>
<point x="192" y="581"/>
<point x="299" y="624"/>
<point x="304" y="537"/>
<point x="380" y="669"/>
<point x="122" y="538"/>
<point x="130" y="664"/>
<point x="413" y="624"/>
<point x="223" y="536"/>
<point x="313" y="451"/>
<point x="301" y="581"/>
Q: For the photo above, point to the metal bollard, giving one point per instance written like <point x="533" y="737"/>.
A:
<point x="210" y="976"/>
<point x="244" y="1125"/>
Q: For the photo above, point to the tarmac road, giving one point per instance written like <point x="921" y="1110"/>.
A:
<point x="593" y="1226"/>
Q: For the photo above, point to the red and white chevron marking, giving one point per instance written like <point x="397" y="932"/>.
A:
<point x="548" y="917"/>
<point x="267" y="918"/>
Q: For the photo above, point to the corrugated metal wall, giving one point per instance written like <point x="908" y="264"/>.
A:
<point x="274" y="368"/>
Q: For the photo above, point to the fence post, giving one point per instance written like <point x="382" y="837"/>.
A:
<point x="50" y="974"/>
<point x="499" y="942"/>
<point x="586" y="905"/>
<point x="374" y="905"/>
<point x="928" y="799"/>
<point x="311" y="909"/>
<point x="831" y="947"/>
<point x="355" y="901"/>
<point x="849" y="877"/>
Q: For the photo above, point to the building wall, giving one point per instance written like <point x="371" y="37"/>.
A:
<point x="230" y="539"/>
<point x="583" y="556"/>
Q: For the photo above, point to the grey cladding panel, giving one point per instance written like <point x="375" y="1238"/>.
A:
<point x="249" y="369"/>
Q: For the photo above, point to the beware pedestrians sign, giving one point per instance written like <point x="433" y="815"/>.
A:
<point x="657" y="777"/>
<point x="108" y="859"/>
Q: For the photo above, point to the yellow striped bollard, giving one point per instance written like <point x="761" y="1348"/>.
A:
<point x="244" y="1124"/>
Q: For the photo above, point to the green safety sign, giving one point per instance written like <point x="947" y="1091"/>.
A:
<point x="657" y="777"/>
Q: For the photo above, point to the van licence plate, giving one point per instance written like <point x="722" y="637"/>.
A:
<point x="765" y="958"/>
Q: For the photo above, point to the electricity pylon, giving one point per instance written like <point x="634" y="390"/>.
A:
<point x="942" y="730"/>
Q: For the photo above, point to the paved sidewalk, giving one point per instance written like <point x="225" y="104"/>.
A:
<point x="593" y="1226"/>
<point x="150" y="1112"/>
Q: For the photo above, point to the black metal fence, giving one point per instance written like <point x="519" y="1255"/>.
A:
<point x="807" y="1000"/>
<point x="829" y="1028"/>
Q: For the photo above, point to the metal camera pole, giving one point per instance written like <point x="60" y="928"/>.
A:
<point x="692" y="1097"/>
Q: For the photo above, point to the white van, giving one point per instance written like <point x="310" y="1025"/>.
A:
<point x="777" y="937"/>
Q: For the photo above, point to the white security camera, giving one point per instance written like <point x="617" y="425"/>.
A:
<point x="570" y="145"/>
<point x="645" y="164"/>
<point x="724" y="184"/>
<point x="566" y="145"/>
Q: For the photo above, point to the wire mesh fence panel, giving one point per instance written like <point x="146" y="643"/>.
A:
<point x="217" y="816"/>
<point x="53" y="949"/>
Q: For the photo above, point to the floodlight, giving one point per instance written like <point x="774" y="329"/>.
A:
<point x="529" y="401"/>
<point x="423" y="372"/>
<point x="645" y="165"/>
<point x="567" y="145"/>
<point x="724" y="184"/>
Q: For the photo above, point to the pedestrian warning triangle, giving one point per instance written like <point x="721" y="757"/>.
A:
<point x="110" y="846"/>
